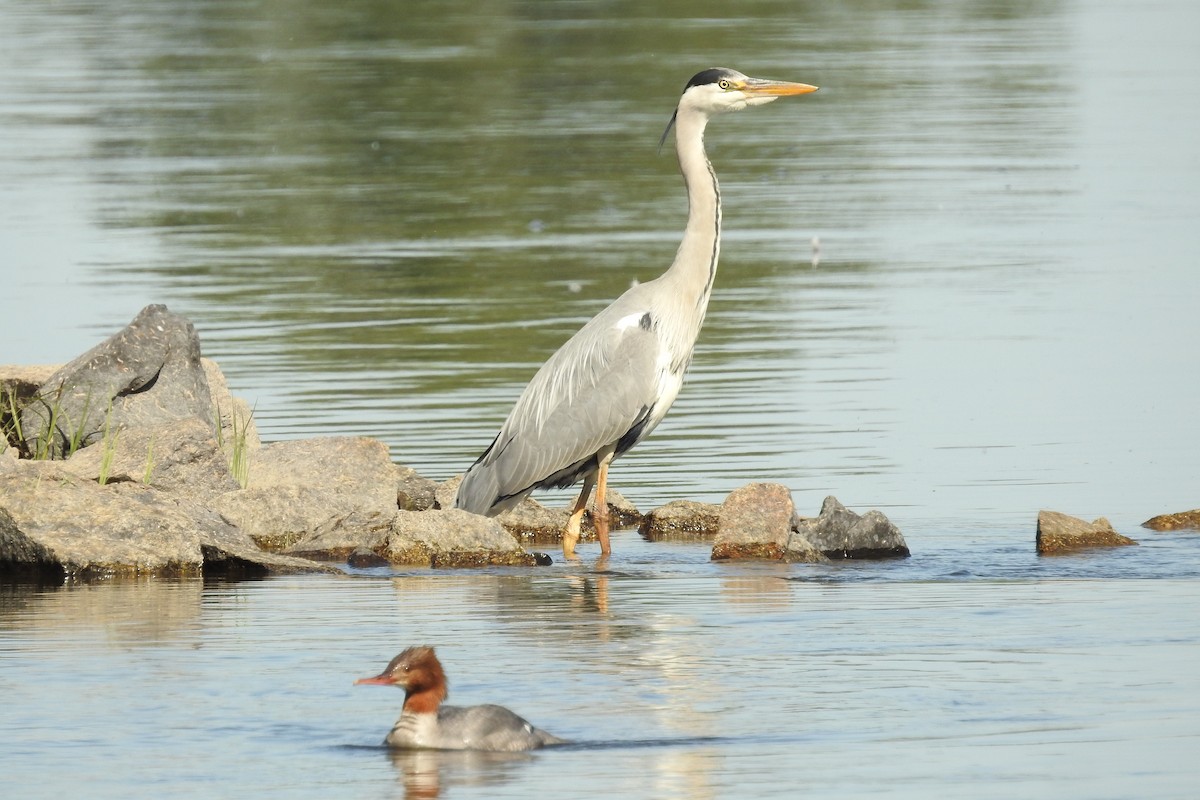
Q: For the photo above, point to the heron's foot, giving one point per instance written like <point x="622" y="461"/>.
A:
<point x="571" y="535"/>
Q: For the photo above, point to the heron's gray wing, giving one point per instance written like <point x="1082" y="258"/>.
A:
<point x="598" y="387"/>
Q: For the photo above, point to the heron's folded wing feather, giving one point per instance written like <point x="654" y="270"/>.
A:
<point x="586" y="396"/>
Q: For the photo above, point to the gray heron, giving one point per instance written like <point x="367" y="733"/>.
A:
<point x="608" y="387"/>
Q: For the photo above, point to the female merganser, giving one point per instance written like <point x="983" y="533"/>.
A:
<point x="426" y="724"/>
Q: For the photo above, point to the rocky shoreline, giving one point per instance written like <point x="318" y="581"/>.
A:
<point x="135" y="459"/>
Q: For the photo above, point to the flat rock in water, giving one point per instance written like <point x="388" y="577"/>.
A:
<point x="1182" y="520"/>
<point x="147" y="373"/>
<point x="681" y="521"/>
<point x="1062" y="533"/>
<point x="452" y="538"/>
<point x="841" y="533"/>
<point x="92" y="531"/>
<point x="756" y="522"/>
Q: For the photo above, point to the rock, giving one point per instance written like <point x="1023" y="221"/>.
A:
<point x="235" y="414"/>
<point x="228" y="549"/>
<point x="365" y="558"/>
<point x="19" y="382"/>
<point x="532" y="522"/>
<point x="1183" y="520"/>
<point x="96" y="531"/>
<point x="182" y="456"/>
<point x="1060" y="533"/>
<point x="446" y="491"/>
<point x="414" y="492"/>
<point x="756" y="522"/>
<point x="126" y="528"/>
<point x="146" y="374"/>
<point x="681" y="521"/>
<point x="277" y="517"/>
<point x="622" y="513"/>
<point x="452" y="538"/>
<point x="314" y="486"/>
<point x="339" y="539"/>
<point x="19" y="553"/>
<point x="840" y="533"/>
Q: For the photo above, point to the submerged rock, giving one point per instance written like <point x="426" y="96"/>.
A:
<point x="681" y="520"/>
<point x="1061" y="533"/>
<point x="756" y="522"/>
<point x="1182" y="520"/>
<point x="841" y="533"/>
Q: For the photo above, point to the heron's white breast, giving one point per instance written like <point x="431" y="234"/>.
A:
<point x="669" y="375"/>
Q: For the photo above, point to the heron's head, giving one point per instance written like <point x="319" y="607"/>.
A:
<point x="720" y="89"/>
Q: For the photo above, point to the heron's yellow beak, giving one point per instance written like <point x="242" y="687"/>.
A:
<point x="765" y="88"/>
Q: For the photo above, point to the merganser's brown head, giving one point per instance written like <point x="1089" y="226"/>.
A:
<point x="419" y="673"/>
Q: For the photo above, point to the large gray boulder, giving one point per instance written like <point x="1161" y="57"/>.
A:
<point x="147" y="373"/>
<point x="841" y="533"/>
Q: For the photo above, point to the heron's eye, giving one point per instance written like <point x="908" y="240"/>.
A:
<point x="724" y="84"/>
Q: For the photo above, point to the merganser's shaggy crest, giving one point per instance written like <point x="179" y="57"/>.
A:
<point x="425" y="723"/>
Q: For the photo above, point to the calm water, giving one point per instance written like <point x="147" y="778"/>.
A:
<point x="382" y="218"/>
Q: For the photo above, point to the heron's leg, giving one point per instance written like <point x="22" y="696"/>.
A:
<point x="571" y="534"/>
<point x="601" y="518"/>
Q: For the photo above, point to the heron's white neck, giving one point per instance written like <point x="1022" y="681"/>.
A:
<point x="695" y="265"/>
